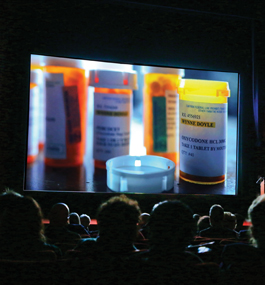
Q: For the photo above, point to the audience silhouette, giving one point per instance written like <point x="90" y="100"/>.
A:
<point x="172" y="255"/>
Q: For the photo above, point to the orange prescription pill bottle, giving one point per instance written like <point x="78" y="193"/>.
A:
<point x="36" y="64"/>
<point x="66" y="108"/>
<point x="161" y="111"/>
<point x="112" y="113"/>
<point x="33" y="121"/>
<point x="203" y="130"/>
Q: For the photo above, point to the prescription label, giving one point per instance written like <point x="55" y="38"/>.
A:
<point x="203" y="138"/>
<point x="33" y="125"/>
<point x="112" y="120"/>
<point x="55" y="146"/>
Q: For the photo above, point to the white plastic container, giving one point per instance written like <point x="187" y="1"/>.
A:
<point x="140" y="174"/>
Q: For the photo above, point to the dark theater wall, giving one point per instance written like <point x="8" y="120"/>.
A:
<point x="145" y="32"/>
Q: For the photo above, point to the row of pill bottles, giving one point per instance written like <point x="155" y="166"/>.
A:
<point x="65" y="111"/>
<point x="113" y="91"/>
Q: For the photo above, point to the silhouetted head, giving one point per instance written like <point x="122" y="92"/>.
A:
<point x="74" y="218"/>
<point x="118" y="218"/>
<point x="23" y="221"/>
<point x="171" y="223"/>
<point x="8" y="201"/>
<point x="216" y="214"/>
<point x="59" y="215"/>
<point x="85" y="220"/>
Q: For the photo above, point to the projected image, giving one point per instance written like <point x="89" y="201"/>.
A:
<point x="83" y="113"/>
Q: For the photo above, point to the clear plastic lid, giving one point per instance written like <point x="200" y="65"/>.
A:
<point x="113" y="79"/>
<point x="163" y="70"/>
<point x="140" y="174"/>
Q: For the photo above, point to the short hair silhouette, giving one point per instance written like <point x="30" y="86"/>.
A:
<point x="171" y="222"/>
<point x="85" y="220"/>
<point x="216" y="214"/>
<point x="74" y="218"/>
<point x="59" y="214"/>
<point x="118" y="217"/>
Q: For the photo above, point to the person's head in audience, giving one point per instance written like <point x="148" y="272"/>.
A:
<point x="85" y="220"/>
<point x="8" y="202"/>
<point x="216" y="214"/>
<point x="117" y="220"/>
<point x="74" y="218"/>
<point x="22" y="222"/>
<point x="256" y="214"/>
<point x="203" y="223"/>
<point x="171" y="224"/>
<point x="229" y="221"/>
<point x="59" y="215"/>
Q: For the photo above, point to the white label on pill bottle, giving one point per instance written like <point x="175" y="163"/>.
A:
<point x="203" y="139"/>
<point x="42" y="110"/>
<point x="55" y="146"/>
<point x="112" y="118"/>
<point x="33" y="129"/>
<point x="171" y="115"/>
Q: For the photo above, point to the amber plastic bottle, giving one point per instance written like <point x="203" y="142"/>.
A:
<point x="112" y="113"/>
<point x="66" y="107"/>
<point x="161" y="111"/>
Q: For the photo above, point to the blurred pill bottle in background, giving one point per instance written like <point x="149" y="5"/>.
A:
<point x="161" y="111"/>
<point x="33" y="119"/>
<point x="37" y="64"/>
<point x="66" y="110"/>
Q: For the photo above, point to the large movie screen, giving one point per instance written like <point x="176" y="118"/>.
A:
<point x="102" y="127"/>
